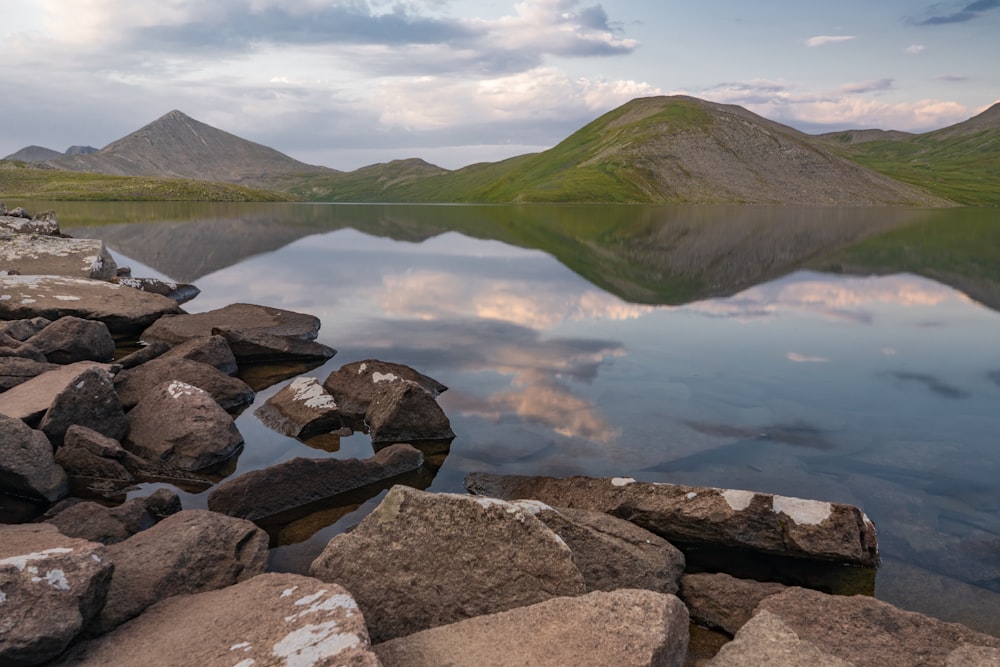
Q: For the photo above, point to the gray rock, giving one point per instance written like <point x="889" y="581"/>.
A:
<point x="621" y="628"/>
<point x="720" y="601"/>
<point x="50" y="587"/>
<point x="211" y="350"/>
<point x="179" y="292"/>
<point x="135" y="384"/>
<point x="145" y="353"/>
<point x="44" y="223"/>
<point x="190" y="552"/>
<point x="355" y="385"/>
<point x="271" y="619"/>
<point x="80" y="462"/>
<point x="301" y="408"/>
<point x="123" y="309"/>
<point x="261" y="493"/>
<point x="406" y="412"/>
<point x="22" y="330"/>
<point x="32" y="398"/>
<point x="772" y="524"/>
<point x="182" y="425"/>
<point x="110" y="525"/>
<point x="421" y="560"/>
<point x="70" y="339"/>
<point x="56" y="256"/>
<point x="16" y="370"/>
<point x="252" y="346"/>
<point x="27" y="466"/>
<point x="96" y="443"/>
<point x="612" y="553"/>
<point x="11" y="347"/>
<point x="88" y="400"/>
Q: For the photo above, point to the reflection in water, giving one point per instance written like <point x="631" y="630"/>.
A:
<point x="936" y="385"/>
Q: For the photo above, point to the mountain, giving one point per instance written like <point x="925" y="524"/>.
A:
<point x="34" y="154"/>
<point x="863" y="136"/>
<point x="81" y="150"/>
<point x="178" y="146"/>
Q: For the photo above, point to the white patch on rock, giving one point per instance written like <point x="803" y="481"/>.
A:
<point x="245" y="663"/>
<point x="288" y="591"/>
<point x="383" y="377"/>
<point x="362" y="368"/>
<point x="242" y="646"/>
<point x="801" y="510"/>
<point x="177" y="389"/>
<point x="3" y="597"/>
<point x="738" y="500"/>
<point x="308" y="390"/>
<point x="691" y="495"/>
<point x="312" y="643"/>
<point x="622" y="481"/>
<point x="57" y="580"/>
<point x="21" y="561"/>
<point x="533" y="507"/>
<point x="27" y="301"/>
<point x="332" y="603"/>
<point x="97" y="559"/>
<point x="64" y="297"/>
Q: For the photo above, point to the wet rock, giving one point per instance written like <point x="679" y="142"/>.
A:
<point x="16" y="370"/>
<point x="354" y="386"/>
<point x="728" y="518"/>
<point x="27" y="465"/>
<point x="717" y="600"/>
<point x="124" y="310"/>
<point x="624" y="627"/>
<point x="190" y="552"/>
<point x="261" y="493"/>
<point x="182" y="425"/>
<point x="50" y="587"/>
<point x="211" y="350"/>
<point x="145" y="353"/>
<point x="109" y="525"/>
<point x="179" y="292"/>
<point x="254" y="347"/>
<point x="44" y="255"/>
<point x="271" y="619"/>
<point x="300" y="409"/>
<point x="406" y="412"/>
<point x="421" y="560"/>
<point x="30" y="399"/>
<point x="612" y="553"/>
<point x="22" y="330"/>
<point x="135" y="384"/>
<point x="801" y="626"/>
<point x="88" y="400"/>
<point x="70" y="339"/>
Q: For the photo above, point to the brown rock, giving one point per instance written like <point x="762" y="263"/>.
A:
<point x="32" y="398"/>
<point x="134" y="384"/>
<point x="211" y="350"/>
<point x="56" y="256"/>
<point x="109" y="525"/>
<point x="717" y="600"/>
<point x="70" y="339"/>
<point x="88" y="400"/>
<point x="22" y="330"/>
<point x="143" y="354"/>
<point x="355" y="385"/>
<point x="254" y="347"/>
<point x="17" y="370"/>
<point x="421" y="560"/>
<point x="301" y="408"/>
<point x="181" y="293"/>
<point x="79" y="461"/>
<point x="406" y="412"/>
<point x="27" y="466"/>
<point x="621" y="628"/>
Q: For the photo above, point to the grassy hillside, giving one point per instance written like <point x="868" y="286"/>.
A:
<point x="19" y="180"/>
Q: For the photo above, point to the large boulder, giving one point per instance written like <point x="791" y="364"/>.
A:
<point x="697" y="515"/>
<point x="134" y="384"/>
<point x="51" y="586"/>
<point x="271" y="619"/>
<point x="27" y="466"/>
<point x="123" y="309"/>
<point x="421" y="560"/>
<point x="261" y="493"/>
<point x="720" y="601"/>
<point x="800" y="627"/>
<point x="17" y="370"/>
<point x="406" y="412"/>
<point x="355" y="385"/>
<point x="31" y="399"/>
<point x="71" y="339"/>
<point x="92" y="457"/>
<point x="182" y="425"/>
<point x="211" y="350"/>
<point x="621" y="628"/>
<point x="89" y="400"/>
<point x="43" y="255"/>
<point x="301" y="408"/>
<point x="110" y="525"/>
<point x="189" y="552"/>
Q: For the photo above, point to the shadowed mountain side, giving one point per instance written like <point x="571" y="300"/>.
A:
<point x="34" y="154"/>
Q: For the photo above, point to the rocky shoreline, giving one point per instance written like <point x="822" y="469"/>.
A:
<point x="519" y="571"/>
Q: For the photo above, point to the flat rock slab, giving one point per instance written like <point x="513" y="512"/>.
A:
<point x="804" y="627"/>
<point x="179" y="292"/>
<point x="421" y="560"/>
<point x="134" y="384"/>
<point x="301" y="408"/>
<point x="719" y="601"/>
<point x="123" y="309"/>
<point x="16" y="370"/>
<point x="258" y="347"/>
<point x="44" y="255"/>
<point x="623" y="628"/>
<point x="271" y="619"/>
<point x="31" y="399"/>
<point x="51" y="586"/>
<point x="697" y="515"/>
<point x="261" y="493"/>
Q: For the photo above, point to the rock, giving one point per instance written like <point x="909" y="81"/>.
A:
<point x="17" y="224"/>
<point x="27" y="466"/>
<point x="137" y="383"/>
<point x="70" y="339"/>
<point x="56" y="256"/>
<point x="301" y="408"/>
<point x="18" y="212"/>
<point x="717" y="600"/>
<point x="801" y="627"/>
<point x="94" y="442"/>
<point x="211" y="350"/>
<point x="190" y="552"/>
<point x="32" y="398"/>
<point x="276" y="327"/>
<point x="16" y="370"/>
<point x="22" y="330"/>
<point x="406" y="412"/>
<point x="50" y="587"/>
<point x="145" y="353"/>
<point x="261" y="493"/>
<point x="80" y="462"/>
<point x="182" y="425"/>
<point x="696" y="515"/>
<point x="124" y="310"/>
<point x="179" y="292"/>
<point x="11" y="347"/>
<point x="420" y="560"/>
<point x="621" y="628"/>
<point x="355" y="385"/>
<point x="109" y="525"/>
<point x="88" y="400"/>
<point x="271" y="619"/>
<point x="612" y="553"/>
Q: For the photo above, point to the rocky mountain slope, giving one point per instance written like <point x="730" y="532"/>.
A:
<point x="35" y="154"/>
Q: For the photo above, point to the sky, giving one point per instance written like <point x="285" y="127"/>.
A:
<point x="347" y="83"/>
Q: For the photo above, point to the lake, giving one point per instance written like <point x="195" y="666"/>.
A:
<point x="846" y="355"/>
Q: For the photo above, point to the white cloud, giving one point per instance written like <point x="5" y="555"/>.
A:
<point x="914" y="49"/>
<point x="823" y="40"/>
<point x="806" y="359"/>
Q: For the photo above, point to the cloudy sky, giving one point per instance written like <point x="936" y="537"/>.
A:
<point x="346" y="83"/>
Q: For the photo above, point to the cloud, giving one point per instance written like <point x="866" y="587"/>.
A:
<point x="806" y="359"/>
<point x="969" y="12"/>
<point x="878" y="85"/>
<point x="914" y="49"/>
<point x="823" y="40"/>
<point x="951" y="78"/>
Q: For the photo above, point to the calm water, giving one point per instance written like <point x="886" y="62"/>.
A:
<point x="839" y="354"/>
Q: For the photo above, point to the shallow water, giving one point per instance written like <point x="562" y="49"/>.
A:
<point x="847" y="355"/>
